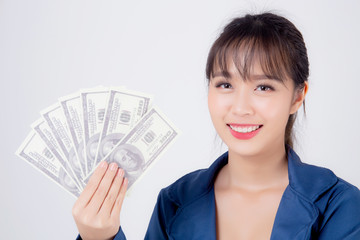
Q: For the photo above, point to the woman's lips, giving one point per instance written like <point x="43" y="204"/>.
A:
<point x="244" y="131"/>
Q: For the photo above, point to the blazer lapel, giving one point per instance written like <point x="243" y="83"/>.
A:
<point x="295" y="217"/>
<point x="196" y="220"/>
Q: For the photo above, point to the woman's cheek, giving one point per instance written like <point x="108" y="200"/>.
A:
<point x="276" y="110"/>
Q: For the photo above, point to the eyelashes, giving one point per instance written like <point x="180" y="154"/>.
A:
<point x="261" y="87"/>
<point x="264" y="88"/>
<point x="224" y="85"/>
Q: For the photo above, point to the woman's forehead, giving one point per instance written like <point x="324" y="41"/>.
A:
<point x="250" y="56"/>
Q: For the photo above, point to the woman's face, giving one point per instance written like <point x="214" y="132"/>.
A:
<point x="251" y="116"/>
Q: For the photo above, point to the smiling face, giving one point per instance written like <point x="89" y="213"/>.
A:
<point x="251" y="115"/>
<point x="266" y="40"/>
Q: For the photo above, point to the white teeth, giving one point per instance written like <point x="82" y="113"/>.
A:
<point x="244" y="129"/>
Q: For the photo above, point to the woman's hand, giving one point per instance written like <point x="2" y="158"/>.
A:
<point x="97" y="210"/>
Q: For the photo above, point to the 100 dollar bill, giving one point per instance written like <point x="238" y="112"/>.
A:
<point x="143" y="145"/>
<point x="56" y="120"/>
<point x="124" y="109"/>
<point x="93" y="103"/>
<point x="36" y="152"/>
<point x="72" y="109"/>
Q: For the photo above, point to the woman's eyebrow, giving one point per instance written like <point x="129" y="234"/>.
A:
<point x="253" y="77"/>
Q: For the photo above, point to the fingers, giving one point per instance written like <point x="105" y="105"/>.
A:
<point x="104" y="192"/>
<point x="92" y="185"/>
<point x="103" y="188"/>
<point x="94" y="211"/>
<point x="119" y="200"/>
<point x="113" y="193"/>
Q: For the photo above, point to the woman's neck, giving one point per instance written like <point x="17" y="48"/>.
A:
<point x="256" y="173"/>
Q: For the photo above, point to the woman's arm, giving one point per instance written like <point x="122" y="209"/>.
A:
<point x="97" y="210"/>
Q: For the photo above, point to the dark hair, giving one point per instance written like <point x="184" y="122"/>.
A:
<point x="274" y="41"/>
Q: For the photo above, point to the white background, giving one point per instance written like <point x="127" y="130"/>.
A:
<point x="52" y="48"/>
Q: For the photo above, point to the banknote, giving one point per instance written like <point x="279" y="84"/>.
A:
<point x="143" y="145"/>
<point x="43" y="130"/>
<point x="57" y="122"/>
<point x="81" y="129"/>
<point x="124" y="109"/>
<point x="71" y="105"/>
<point x="93" y="102"/>
<point x="36" y="152"/>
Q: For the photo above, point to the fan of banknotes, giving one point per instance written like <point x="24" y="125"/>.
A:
<point x="79" y="131"/>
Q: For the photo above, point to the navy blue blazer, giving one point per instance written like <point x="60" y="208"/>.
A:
<point x="315" y="205"/>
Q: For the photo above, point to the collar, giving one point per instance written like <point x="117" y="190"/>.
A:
<point x="307" y="180"/>
<point x="296" y="215"/>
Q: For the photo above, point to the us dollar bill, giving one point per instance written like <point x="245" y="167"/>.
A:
<point x="36" y="152"/>
<point x="124" y="109"/>
<point x="43" y="130"/>
<point x="143" y="145"/>
<point x="56" y="120"/>
<point x="72" y="109"/>
<point x="93" y="102"/>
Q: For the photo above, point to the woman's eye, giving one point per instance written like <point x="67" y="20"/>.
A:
<point x="224" y="85"/>
<point x="264" y="88"/>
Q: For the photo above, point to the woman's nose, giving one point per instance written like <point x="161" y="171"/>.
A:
<point x="242" y="103"/>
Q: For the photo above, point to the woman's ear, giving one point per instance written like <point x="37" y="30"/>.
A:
<point x="299" y="98"/>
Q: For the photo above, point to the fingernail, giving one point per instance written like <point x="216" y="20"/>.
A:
<point x="103" y="164"/>
<point x="120" y="173"/>
<point x="113" y="166"/>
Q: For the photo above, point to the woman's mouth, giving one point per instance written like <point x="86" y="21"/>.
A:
<point x="244" y="131"/>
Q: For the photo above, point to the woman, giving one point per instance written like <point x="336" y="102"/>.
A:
<point x="257" y="71"/>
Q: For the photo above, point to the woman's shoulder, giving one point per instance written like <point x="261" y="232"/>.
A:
<point x="320" y="185"/>
<point x="317" y="184"/>
<point x="339" y="211"/>
<point x="343" y="192"/>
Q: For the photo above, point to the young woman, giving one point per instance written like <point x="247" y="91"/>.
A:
<point x="257" y="71"/>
